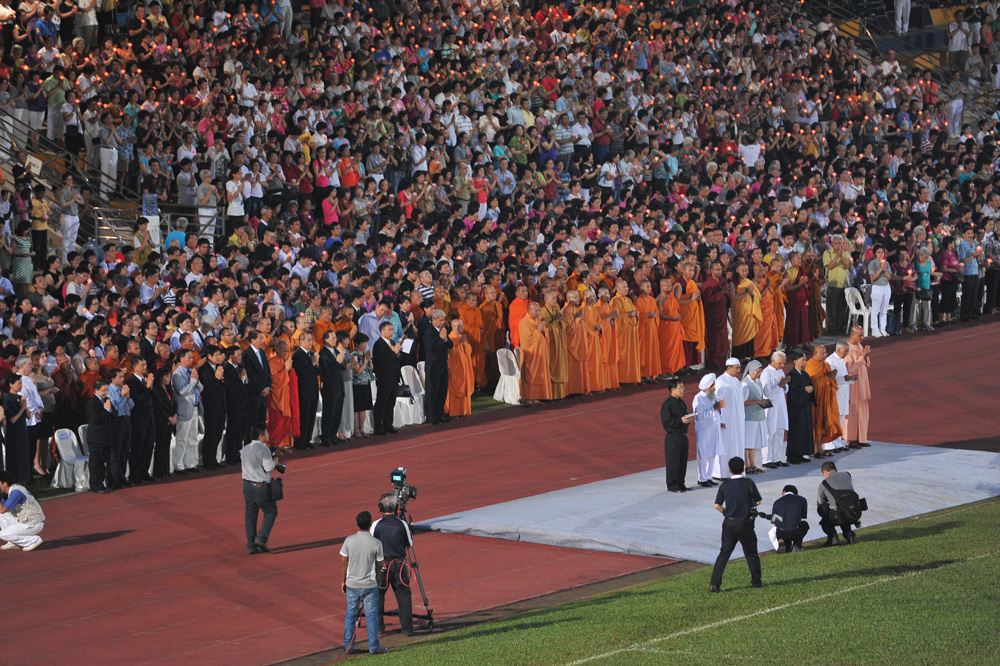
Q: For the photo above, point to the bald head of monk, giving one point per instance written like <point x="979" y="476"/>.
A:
<point x="689" y="271"/>
<point x="471" y="299"/>
<point x="646" y="287"/>
<point x="856" y="335"/>
<point x="589" y="296"/>
<point x="521" y="291"/>
<point x="533" y="310"/>
<point x="551" y="299"/>
<point x="819" y="352"/>
<point x="490" y="293"/>
<point x="621" y="287"/>
<point x="573" y="297"/>
<point x="604" y="294"/>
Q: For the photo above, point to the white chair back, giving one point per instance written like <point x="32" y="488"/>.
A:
<point x="420" y="368"/>
<point x="508" y="363"/>
<point x="412" y="379"/>
<point x="508" y="389"/>
<point x="83" y="440"/>
<point x="72" y="471"/>
<point x="857" y="311"/>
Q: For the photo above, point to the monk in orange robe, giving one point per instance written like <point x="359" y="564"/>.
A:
<point x="826" y="414"/>
<point x="766" y="340"/>
<point x="649" y="338"/>
<point x="670" y="331"/>
<point x="609" y="338"/>
<point x="594" y="324"/>
<point x="442" y="301"/>
<point x="323" y="324"/>
<point x="577" y="344"/>
<point x="778" y="282"/>
<point x="494" y="332"/>
<point x="345" y="322"/>
<point x="461" y="376"/>
<point x="555" y="326"/>
<point x="692" y="318"/>
<point x="518" y="309"/>
<point x="472" y="321"/>
<point x="280" y="429"/>
<point x="535" y="381"/>
<point x="111" y="361"/>
<point x="746" y="315"/>
<point x="627" y="321"/>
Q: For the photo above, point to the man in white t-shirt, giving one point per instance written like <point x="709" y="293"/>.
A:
<point x="959" y="38"/>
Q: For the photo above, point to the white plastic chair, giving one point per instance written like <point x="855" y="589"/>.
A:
<point x="84" y="448"/>
<point x="420" y="370"/>
<point x="73" y="470"/>
<point x="509" y="387"/>
<point x="857" y="310"/>
<point x="410" y="411"/>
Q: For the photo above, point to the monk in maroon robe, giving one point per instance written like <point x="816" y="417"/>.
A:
<point x="714" y="295"/>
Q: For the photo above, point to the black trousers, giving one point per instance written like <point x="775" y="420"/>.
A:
<point x="675" y="451"/>
<point x="793" y="537"/>
<point x="214" y="425"/>
<point x="830" y="521"/>
<point x="307" y="418"/>
<point x="735" y="530"/>
<point x="992" y="285"/>
<point x="100" y="464"/>
<point x="971" y="304"/>
<point x="256" y="501"/>
<point x="396" y="576"/>
<point x="836" y="309"/>
<point x="121" y="447"/>
<point x="436" y="392"/>
<point x="161" y="449"/>
<point x="236" y="428"/>
<point x="743" y="351"/>
<point x="142" y="449"/>
<point x="385" y="405"/>
<point x="333" y="408"/>
<point x="257" y="413"/>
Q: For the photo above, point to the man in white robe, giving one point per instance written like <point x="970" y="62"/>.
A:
<point x="774" y="383"/>
<point x="707" y="427"/>
<point x="844" y="381"/>
<point x="731" y="390"/>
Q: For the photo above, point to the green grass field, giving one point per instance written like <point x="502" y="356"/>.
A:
<point x="920" y="591"/>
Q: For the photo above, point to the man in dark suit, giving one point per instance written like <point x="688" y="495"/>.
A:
<point x="147" y="345"/>
<point x="99" y="415"/>
<point x="789" y="517"/>
<point x="385" y="361"/>
<point x="436" y="346"/>
<point x="213" y="397"/>
<point x="331" y="373"/>
<point x="235" y="384"/>
<point x="258" y="378"/>
<point x="140" y="386"/>
<point x="304" y="362"/>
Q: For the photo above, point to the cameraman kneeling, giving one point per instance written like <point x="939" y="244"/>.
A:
<point x="831" y="512"/>
<point x="258" y="467"/>
<point x="789" y="517"/>
<point x="395" y="537"/>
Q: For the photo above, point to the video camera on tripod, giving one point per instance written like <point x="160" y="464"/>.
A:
<point x="402" y="492"/>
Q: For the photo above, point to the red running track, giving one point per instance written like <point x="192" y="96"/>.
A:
<point x="158" y="573"/>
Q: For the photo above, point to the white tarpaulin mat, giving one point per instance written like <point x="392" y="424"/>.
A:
<point x="635" y="514"/>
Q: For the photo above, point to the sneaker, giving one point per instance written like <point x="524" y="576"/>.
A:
<point x="380" y="650"/>
<point x="929" y="328"/>
<point x="33" y="546"/>
<point x="9" y="546"/>
<point x="851" y="539"/>
<point x="714" y="588"/>
<point x="798" y="549"/>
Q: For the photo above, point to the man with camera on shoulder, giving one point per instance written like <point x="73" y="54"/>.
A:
<point x="396" y="538"/>
<point x="737" y="500"/>
<point x="258" y="468"/>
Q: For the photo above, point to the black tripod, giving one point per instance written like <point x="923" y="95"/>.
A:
<point x="411" y="561"/>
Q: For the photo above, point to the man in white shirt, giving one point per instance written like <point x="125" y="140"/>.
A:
<point x="959" y="39"/>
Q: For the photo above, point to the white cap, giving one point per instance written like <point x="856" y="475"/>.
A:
<point x="732" y="361"/>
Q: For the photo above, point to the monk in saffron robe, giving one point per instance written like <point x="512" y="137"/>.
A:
<point x="558" y="355"/>
<point x="443" y="302"/>
<point x="776" y="276"/>
<point x="494" y="332"/>
<point x="345" y="322"/>
<point x="715" y="297"/>
<point x="627" y="329"/>
<point x="766" y="340"/>
<point x="609" y="337"/>
<point x="323" y="324"/>
<point x="747" y="316"/>
<point x="670" y="331"/>
<point x="472" y="322"/>
<point x="518" y="309"/>
<point x="280" y="426"/>
<point x="649" y="338"/>
<point x="461" y="376"/>
<point x="692" y="318"/>
<point x="826" y="413"/>
<point x="597" y="354"/>
<point x="535" y="381"/>
<point x="812" y="269"/>
<point x="797" y="310"/>
<point x="577" y="346"/>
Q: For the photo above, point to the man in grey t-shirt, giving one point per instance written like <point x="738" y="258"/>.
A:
<point x="359" y="555"/>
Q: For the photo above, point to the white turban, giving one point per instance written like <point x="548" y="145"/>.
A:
<point x="707" y="382"/>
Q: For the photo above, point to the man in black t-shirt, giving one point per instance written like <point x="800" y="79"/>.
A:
<point x="395" y="572"/>
<point x="675" y="419"/>
<point x="735" y="500"/>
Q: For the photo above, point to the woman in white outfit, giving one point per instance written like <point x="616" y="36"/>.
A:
<point x="879" y="272"/>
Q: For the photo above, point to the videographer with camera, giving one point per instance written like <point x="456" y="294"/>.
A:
<point x="737" y="500"/>
<point x="789" y="517"/>
<point x="258" y="468"/>
<point x="839" y="505"/>
<point x="396" y="538"/>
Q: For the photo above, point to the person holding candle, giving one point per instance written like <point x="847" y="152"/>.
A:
<point x="879" y="273"/>
<point x="969" y="252"/>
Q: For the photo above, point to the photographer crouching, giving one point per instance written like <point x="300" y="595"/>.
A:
<point x="396" y="538"/>
<point x="259" y="495"/>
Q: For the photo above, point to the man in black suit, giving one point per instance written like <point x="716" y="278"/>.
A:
<point x="235" y="383"/>
<point x="331" y="373"/>
<point x="385" y="361"/>
<point x="213" y="398"/>
<point x="99" y="415"/>
<point x="140" y="386"/>
<point x="147" y="345"/>
<point x="304" y="362"/>
<point x="258" y="378"/>
<point x="436" y="346"/>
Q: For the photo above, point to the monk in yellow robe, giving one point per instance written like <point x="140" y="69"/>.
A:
<point x="518" y="309"/>
<point x="472" y="322"/>
<point x="766" y="340"/>
<point x="597" y="379"/>
<point x="670" y="331"/>
<point x="746" y="316"/>
<point x="558" y="354"/>
<point x="280" y="421"/>
<point x="627" y="322"/>
<point x="461" y="376"/>
<point x="692" y="318"/>
<point x="535" y="381"/>
<point x="609" y="338"/>
<point x="494" y="332"/>
<point x="649" y="337"/>
<point x="577" y="346"/>
<point x="826" y="414"/>
<point x="323" y="324"/>
<point x="778" y="281"/>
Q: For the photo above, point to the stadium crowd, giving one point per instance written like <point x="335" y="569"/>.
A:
<point x="623" y="192"/>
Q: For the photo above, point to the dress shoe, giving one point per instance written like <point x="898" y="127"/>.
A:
<point x="254" y="551"/>
<point x="148" y="477"/>
<point x="221" y="465"/>
<point x="434" y="421"/>
<point x="706" y="484"/>
<point x="783" y="463"/>
<point x="262" y="547"/>
<point x="193" y="470"/>
<point x="380" y="433"/>
<point x="684" y="489"/>
<point x="391" y="431"/>
<point x="124" y="484"/>
<point x="851" y="539"/>
<point x="864" y="444"/>
<point x="771" y="465"/>
<point x="326" y="445"/>
<point x="675" y="490"/>
<point x="805" y="459"/>
<point x="797" y="548"/>
<point x="445" y="419"/>
<point x="181" y="471"/>
<point x="407" y="632"/>
<point x="832" y="541"/>
<point x="757" y="585"/>
<point x="104" y="491"/>
<point x="135" y="482"/>
<point x="795" y="461"/>
<point x="714" y="588"/>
